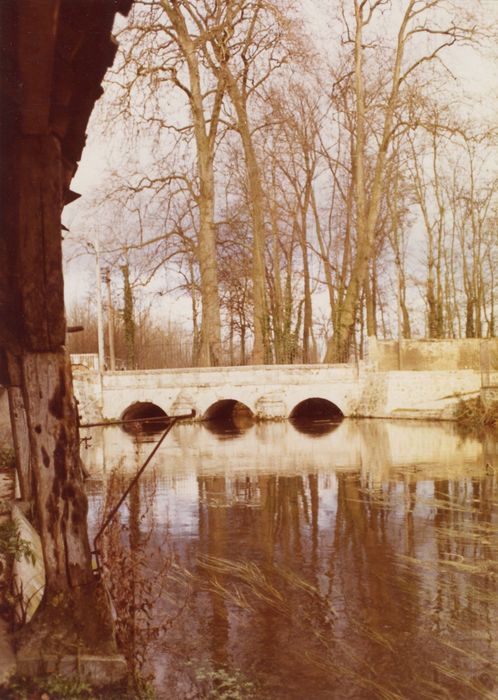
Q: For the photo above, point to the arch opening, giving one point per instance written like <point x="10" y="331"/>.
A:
<point x="146" y="417"/>
<point x="228" y="417"/>
<point x="316" y="416"/>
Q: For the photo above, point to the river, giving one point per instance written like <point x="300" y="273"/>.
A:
<point x="349" y="560"/>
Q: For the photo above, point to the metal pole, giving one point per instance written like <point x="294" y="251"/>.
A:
<point x="126" y="421"/>
<point x="96" y="552"/>
<point x="110" y="322"/>
<point x="400" y="330"/>
<point x="100" y="324"/>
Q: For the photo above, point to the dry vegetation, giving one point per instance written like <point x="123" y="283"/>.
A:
<point x="474" y="416"/>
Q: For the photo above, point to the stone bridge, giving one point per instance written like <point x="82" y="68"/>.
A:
<point x="274" y="391"/>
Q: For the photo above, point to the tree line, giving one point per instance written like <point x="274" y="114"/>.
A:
<point x="303" y="197"/>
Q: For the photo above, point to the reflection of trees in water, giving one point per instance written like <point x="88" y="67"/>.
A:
<point x="466" y="542"/>
<point x="212" y="532"/>
<point x="325" y="581"/>
<point x="341" y="593"/>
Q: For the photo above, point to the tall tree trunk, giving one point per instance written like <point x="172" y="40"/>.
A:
<point x="370" y="302"/>
<point x="261" y="350"/>
<point x="210" y="340"/>
<point x="307" y="305"/>
<point x="327" y="268"/>
<point x="405" y="316"/>
<point x="303" y="239"/>
<point x="196" y="335"/>
<point x="367" y="207"/>
<point x="205" y="129"/>
<point x="276" y="300"/>
<point x="62" y="623"/>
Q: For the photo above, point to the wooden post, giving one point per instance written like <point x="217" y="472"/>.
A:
<point x="60" y="501"/>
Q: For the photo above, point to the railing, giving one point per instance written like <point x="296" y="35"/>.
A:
<point x="179" y="355"/>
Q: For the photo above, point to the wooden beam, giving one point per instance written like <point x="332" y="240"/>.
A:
<point x="37" y="34"/>
<point x="39" y="243"/>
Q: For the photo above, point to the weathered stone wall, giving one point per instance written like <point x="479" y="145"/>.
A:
<point x="88" y="392"/>
<point x="432" y="355"/>
<point x="425" y="395"/>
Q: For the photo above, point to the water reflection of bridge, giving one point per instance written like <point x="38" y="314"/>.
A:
<point x="369" y="446"/>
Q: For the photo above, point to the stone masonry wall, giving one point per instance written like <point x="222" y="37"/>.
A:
<point x="429" y="355"/>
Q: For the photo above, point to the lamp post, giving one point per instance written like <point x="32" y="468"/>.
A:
<point x="400" y="322"/>
<point x="100" y="324"/>
<point x="110" y="321"/>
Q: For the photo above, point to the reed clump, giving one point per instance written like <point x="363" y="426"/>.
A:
<point x="474" y="416"/>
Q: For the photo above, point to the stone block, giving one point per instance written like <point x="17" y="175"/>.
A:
<point x="99" y="670"/>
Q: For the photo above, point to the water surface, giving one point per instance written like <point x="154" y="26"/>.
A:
<point x="352" y="560"/>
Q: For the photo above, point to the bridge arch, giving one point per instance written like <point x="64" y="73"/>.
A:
<point x="316" y="408"/>
<point x="227" y="409"/>
<point x="140" y="411"/>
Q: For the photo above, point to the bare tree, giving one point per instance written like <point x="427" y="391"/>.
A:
<point x="418" y="18"/>
<point x="250" y="43"/>
<point x="164" y="47"/>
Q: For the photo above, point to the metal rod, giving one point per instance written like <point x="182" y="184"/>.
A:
<point x="132" y="483"/>
<point x="399" y="311"/>
<point x="156" y="419"/>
